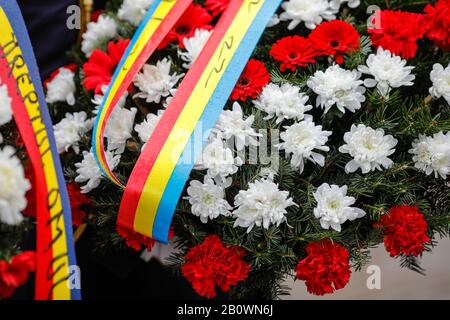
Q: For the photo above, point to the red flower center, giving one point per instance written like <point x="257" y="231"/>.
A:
<point x="334" y="43"/>
<point x="183" y="29"/>
<point x="244" y="82"/>
<point x="293" y="55"/>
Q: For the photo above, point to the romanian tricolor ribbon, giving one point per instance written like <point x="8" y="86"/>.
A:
<point x="161" y="171"/>
<point x="159" y="20"/>
<point x="18" y="70"/>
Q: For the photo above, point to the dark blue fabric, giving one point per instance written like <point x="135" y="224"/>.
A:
<point x="46" y="23"/>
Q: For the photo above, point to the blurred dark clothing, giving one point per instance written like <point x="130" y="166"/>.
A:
<point x="46" y="22"/>
<point x="123" y="275"/>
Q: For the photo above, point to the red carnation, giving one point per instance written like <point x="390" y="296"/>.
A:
<point x="99" y="69"/>
<point x="438" y="18"/>
<point x="78" y="203"/>
<point x="96" y="14"/>
<point x="325" y="268"/>
<point x="397" y="32"/>
<point x="335" y="38"/>
<point x="405" y="230"/>
<point x="72" y="67"/>
<point x="213" y="263"/>
<point x="216" y="7"/>
<point x="293" y="51"/>
<point x="252" y="81"/>
<point x="135" y="240"/>
<point x="15" y="273"/>
<point x="195" y="17"/>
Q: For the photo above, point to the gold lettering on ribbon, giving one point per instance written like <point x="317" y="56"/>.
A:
<point x="227" y="45"/>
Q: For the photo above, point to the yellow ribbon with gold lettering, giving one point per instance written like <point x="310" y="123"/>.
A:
<point x="18" y="70"/>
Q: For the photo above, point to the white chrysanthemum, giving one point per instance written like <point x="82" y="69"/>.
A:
<point x="336" y="4"/>
<point x="231" y="124"/>
<point x="99" y="98"/>
<point x="369" y="148"/>
<point x="119" y="127"/>
<point x="145" y="128"/>
<point x="88" y="170"/>
<point x="13" y="187"/>
<point x="334" y="206"/>
<point x="337" y="86"/>
<point x="98" y="33"/>
<point x="310" y="12"/>
<point x="5" y="106"/>
<point x="263" y="204"/>
<point x="432" y="154"/>
<point x="62" y="88"/>
<point x="70" y="130"/>
<point x="193" y="46"/>
<point x="133" y="10"/>
<point x="207" y="200"/>
<point x="169" y="98"/>
<point x="441" y="82"/>
<point x="389" y="71"/>
<point x="302" y="140"/>
<point x="273" y="21"/>
<point x="283" y="102"/>
<point x="218" y="160"/>
<point x="155" y="81"/>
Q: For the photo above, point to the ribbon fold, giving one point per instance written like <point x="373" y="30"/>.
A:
<point x="157" y="23"/>
<point x="163" y="168"/>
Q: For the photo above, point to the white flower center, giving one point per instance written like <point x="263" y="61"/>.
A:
<point x="334" y="204"/>
<point x="303" y="138"/>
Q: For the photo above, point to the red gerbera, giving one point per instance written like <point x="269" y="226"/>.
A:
<point x="72" y="67"/>
<point x="135" y="240"/>
<point x="252" y="81"/>
<point x="335" y="38"/>
<point x="78" y="203"/>
<point x="438" y="19"/>
<point x="397" y="32"/>
<point x="99" y="69"/>
<point x="15" y="273"/>
<point x="216" y="7"/>
<point x="293" y="51"/>
<point x="212" y="264"/>
<point x="325" y="268"/>
<point x="405" y="230"/>
<point x="195" y="17"/>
